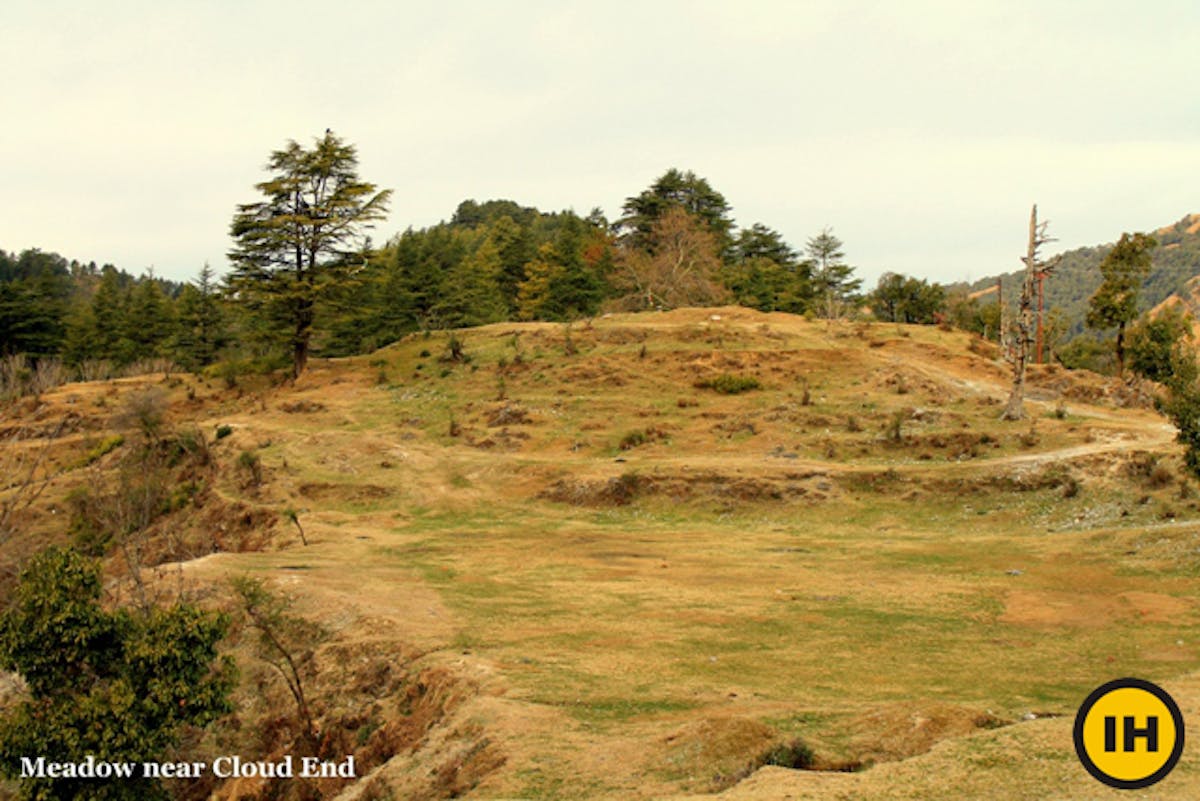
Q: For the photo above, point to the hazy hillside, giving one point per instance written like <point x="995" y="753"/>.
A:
<point x="1176" y="260"/>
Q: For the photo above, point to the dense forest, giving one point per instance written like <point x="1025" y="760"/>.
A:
<point x="675" y="244"/>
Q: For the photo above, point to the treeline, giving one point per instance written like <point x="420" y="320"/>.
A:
<point x="676" y="244"/>
<point x="103" y="318"/>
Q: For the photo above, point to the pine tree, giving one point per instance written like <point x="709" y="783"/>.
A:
<point x="1115" y="302"/>
<point x="304" y="237"/>
<point x="676" y="190"/>
<point x="832" y="277"/>
<point x="200" y="325"/>
<point x="472" y="290"/>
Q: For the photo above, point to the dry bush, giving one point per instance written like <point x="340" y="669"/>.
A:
<point x="149" y="366"/>
<point x="95" y="370"/>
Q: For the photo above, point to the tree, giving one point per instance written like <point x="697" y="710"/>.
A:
<point x="1018" y="349"/>
<point x="304" y="238"/>
<point x="286" y="642"/>
<point x="200" y="332"/>
<point x="680" y="269"/>
<point x="564" y="281"/>
<point x="676" y="190"/>
<point x="1154" y="344"/>
<point x="148" y="321"/>
<point x="900" y="299"/>
<point x="766" y="273"/>
<point x="831" y="276"/>
<point x="115" y="685"/>
<point x="471" y="294"/>
<point x="1115" y="302"/>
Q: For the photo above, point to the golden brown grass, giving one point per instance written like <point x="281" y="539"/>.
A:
<point x="646" y="621"/>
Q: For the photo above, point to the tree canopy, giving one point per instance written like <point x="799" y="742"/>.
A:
<point x="305" y="237"/>
<point x="115" y="685"/>
<point x="1115" y="303"/>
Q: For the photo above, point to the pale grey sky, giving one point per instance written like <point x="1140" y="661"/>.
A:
<point x="919" y="131"/>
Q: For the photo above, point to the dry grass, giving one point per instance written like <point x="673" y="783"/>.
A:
<point x="646" y="621"/>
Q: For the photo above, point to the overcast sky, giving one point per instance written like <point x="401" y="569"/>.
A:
<point x="919" y="131"/>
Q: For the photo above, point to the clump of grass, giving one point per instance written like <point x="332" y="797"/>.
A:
<point x="641" y="437"/>
<point x="102" y="449"/>
<point x="729" y="383"/>
<point x="632" y="440"/>
<point x="795" y="754"/>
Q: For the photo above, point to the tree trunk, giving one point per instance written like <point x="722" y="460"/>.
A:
<point x="1120" y="349"/>
<point x="1015" y="409"/>
<point x="304" y="321"/>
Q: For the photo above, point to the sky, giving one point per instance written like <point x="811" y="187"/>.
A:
<point x="920" y="132"/>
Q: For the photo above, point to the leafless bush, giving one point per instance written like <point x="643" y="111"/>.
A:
<point x="15" y="375"/>
<point x="95" y="370"/>
<point x="144" y="412"/>
<point x="149" y="366"/>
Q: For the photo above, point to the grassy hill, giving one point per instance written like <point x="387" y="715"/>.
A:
<point x="644" y="556"/>
<point x="1176" y="261"/>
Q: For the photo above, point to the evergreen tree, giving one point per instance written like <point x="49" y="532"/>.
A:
<point x="200" y="326"/>
<point x="832" y="277"/>
<point x="767" y="274"/>
<point x="109" y="312"/>
<point x="561" y="284"/>
<point x="900" y="299"/>
<point x="1115" y="302"/>
<point x="148" y="320"/>
<point x="682" y="190"/>
<point x="35" y="288"/>
<point x="472" y="290"/>
<point x="1153" y="344"/>
<point x="303" y="238"/>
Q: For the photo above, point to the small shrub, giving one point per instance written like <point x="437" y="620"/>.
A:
<point x="144" y="412"/>
<point x="1030" y="438"/>
<point x="852" y="424"/>
<point x="632" y="440"/>
<point x="250" y="464"/>
<point x="455" y="350"/>
<point x="1161" y="476"/>
<point x="424" y="354"/>
<point x="224" y="430"/>
<point x="729" y="384"/>
<point x="795" y="755"/>
<point x="1060" y="411"/>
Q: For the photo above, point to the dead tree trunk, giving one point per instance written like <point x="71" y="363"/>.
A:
<point x="1024" y="325"/>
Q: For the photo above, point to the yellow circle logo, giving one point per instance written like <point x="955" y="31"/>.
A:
<point x="1129" y="733"/>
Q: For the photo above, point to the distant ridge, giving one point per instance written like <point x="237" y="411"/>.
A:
<point x="1176" y="263"/>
